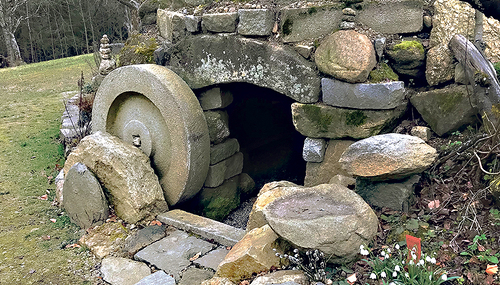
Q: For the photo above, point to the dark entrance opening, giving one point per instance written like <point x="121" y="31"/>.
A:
<point x="261" y="120"/>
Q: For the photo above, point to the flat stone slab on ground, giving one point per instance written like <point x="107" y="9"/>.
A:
<point x="157" y="278"/>
<point x="212" y="259"/>
<point x="172" y="253"/>
<point x="207" y="228"/>
<point x="195" y="275"/>
<point x="123" y="271"/>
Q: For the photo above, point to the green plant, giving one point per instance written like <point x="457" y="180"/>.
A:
<point x="495" y="214"/>
<point x="312" y="262"/>
<point x="477" y="250"/>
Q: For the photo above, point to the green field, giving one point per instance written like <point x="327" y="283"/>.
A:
<point x="32" y="248"/>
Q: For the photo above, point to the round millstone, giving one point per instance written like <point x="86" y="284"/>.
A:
<point x="152" y="108"/>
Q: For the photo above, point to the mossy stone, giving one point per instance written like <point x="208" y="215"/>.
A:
<point x="287" y="27"/>
<point x="355" y="118"/>
<point x="383" y="73"/>
<point x="138" y="49"/>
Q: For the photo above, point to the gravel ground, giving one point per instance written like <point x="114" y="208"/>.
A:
<point x="239" y="217"/>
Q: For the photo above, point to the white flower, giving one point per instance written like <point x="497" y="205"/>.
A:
<point x="420" y="262"/>
<point x="394" y="274"/>
<point x="428" y="258"/>
<point x="411" y="262"/>
<point x="364" y="252"/>
<point x="382" y="253"/>
<point x="397" y="268"/>
<point x="373" y="276"/>
<point x="389" y="250"/>
<point x="361" y="247"/>
<point x="444" y="277"/>
<point x="433" y="260"/>
<point x="430" y="277"/>
<point x="407" y="275"/>
<point x="392" y="283"/>
<point x="383" y="274"/>
<point x="397" y="246"/>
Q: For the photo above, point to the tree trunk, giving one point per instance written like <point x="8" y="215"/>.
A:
<point x="13" y="54"/>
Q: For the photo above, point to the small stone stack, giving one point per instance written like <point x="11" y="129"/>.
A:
<point x="108" y="64"/>
<point x="348" y="19"/>
<point x="225" y="181"/>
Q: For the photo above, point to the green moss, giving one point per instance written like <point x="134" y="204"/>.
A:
<point x="315" y="114"/>
<point x="383" y="73"/>
<point x="138" y="49"/>
<point x="312" y="10"/>
<point x="355" y="118"/>
<point x="448" y="102"/>
<point x="497" y="68"/>
<point x="287" y="27"/>
<point x="409" y="45"/>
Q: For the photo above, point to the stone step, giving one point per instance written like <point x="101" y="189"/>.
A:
<point x="207" y="228"/>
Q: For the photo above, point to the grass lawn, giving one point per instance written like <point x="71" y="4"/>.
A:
<point x="32" y="248"/>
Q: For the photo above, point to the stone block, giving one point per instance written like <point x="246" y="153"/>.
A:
<point x="393" y="16"/>
<point x="253" y="254"/>
<point x="322" y="172"/>
<point x="143" y="238"/>
<point x="314" y="150"/>
<point x="212" y="259"/>
<point x="84" y="200"/>
<point x="439" y="67"/>
<point x="246" y="184"/>
<point x="323" y="121"/>
<point x="346" y="181"/>
<point x="385" y="96"/>
<point x="298" y="24"/>
<point x="207" y="228"/>
<point x="460" y="76"/>
<point x="171" y="25"/>
<point x="218" y="125"/>
<point x="220" y="22"/>
<point x="224" y="150"/>
<point x="123" y="271"/>
<point x="105" y="239"/>
<point x="421" y="132"/>
<point x="288" y="277"/>
<point x="193" y="23"/>
<point x="194" y="275"/>
<point x="216" y="203"/>
<point x="447" y="109"/>
<point x="172" y="253"/>
<point x="255" y="22"/>
<point x="394" y="194"/>
<point x="215" y="98"/>
<point x="157" y="278"/>
<point x="225" y="169"/>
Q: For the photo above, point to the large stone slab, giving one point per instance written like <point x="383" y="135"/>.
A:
<point x="172" y="253"/>
<point x="171" y="25"/>
<point x="394" y="194"/>
<point x="216" y="203"/>
<point x="123" y="271"/>
<point x="298" y="24"/>
<point x="393" y="16"/>
<point x="195" y="276"/>
<point x="213" y="59"/>
<point x="439" y="66"/>
<point x="143" y="238"/>
<point x="126" y="173"/>
<point x="288" y="277"/>
<point x="298" y="213"/>
<point x="223" y="170"/>
<point x="253" y="254"/>
<point x="157" y="278"/>
<point x="323" y="172"/>
<point x="224" y="150"/>
<point x="105" y="239"/>
<point x="218" y="125"/>
<point x="212" y="259"/>
<point x="207" y="228"/>
<point x="385" y="96"/>
<point x="389" y="156"/>
<point x="220" y="22"/>
<point x="323" y="121"/>
<point x="84" y="200"/>
<point x="255" y="22"/>
<point x="346" y="55"/>
<point x="447" y="109"/>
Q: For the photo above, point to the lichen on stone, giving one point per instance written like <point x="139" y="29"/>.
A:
<point x="355" y="118"/>
<point x="409" y="45"/>
<point x="315" y="114"/>
<point x="382" y="73"/>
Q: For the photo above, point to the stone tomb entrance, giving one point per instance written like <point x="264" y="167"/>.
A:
<point x="203" y="147"/>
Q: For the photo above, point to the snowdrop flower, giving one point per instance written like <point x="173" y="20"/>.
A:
<point x="421" y="262"/>
<point x="394" y="274"/>
<point x="397" y="246"/>
<point x="444" y="277"/>
<point x="411" y="262"/>
<point x="407" y="275"/>
<point x="392" y="283"/>
<point x="383" y="274"/>
<point x="430" y="277"/>
<point x="428" y="258"/>
<point x="373" y="276"/>
<point x="397" y="268"/>
<point x="388" y="250"/>
<point x="365" y="252"/>
<point x="382" y="253"/>
<point x="433" y="260"/>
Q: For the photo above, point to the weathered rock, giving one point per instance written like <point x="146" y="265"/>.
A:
<point x="126" y="173"/>
<point x="321" y="173"/>
<point x="212" y="259"/>
<point x="253" y="254"/>
<point x="268" y="193"/>
<point x="224" y="150"/>
<point x="172" y="254"/>
<point x="343" y="180"/>
<point x="491" y="29"/>
<point x="105" y="239"/>
<point x="171" y="25"/>
<point x="393" y="17"/>
<point x="347" y="25"/>
<point x="143" y="238"/>
<point x="323" y="121"/>
<point x="460" y="76"/>
<point x="123" y="271"/>
<point x="218" y="125"/>
<point x="247" y="184"/>
<point x="346" y="55"/>
<point x="421" y="132"/>
<point x="288" y="277"/>
<point x="60" y="187"/>
<point x="451" y="17"/>
<point x="218" y="281"/>
<point x="223" y="170"/>
<point x="193" y="23"/>
<point x="306" y="216"/>
<point x="393" y="194"/>
<point x="314" y="150"/>
<point x="389" y="156"/>
<point x="387" y="95"/>
<point x="214" y="59"/>
<point x="84" y="201"/>
<point x="439" y="65"/>
<point x="308" y="23"/>
<point x="304" y="51"/>
<point x="216" y="203"/>
<point x="215" y="98"/>
<point x="447" y="109"/>
<point x="195" y="276"/>
<point x="157" y="278"/>
<point x="408" y="58"/>
<point x="219" y="22"/>
<point x="255" y="22"/>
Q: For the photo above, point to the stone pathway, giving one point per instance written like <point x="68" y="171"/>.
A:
<point x="188" y="255"/>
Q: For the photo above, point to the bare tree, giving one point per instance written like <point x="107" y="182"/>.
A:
<point x="10" y="19"/>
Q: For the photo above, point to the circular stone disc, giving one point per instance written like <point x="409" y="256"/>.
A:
<point x="151" y="107"/>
